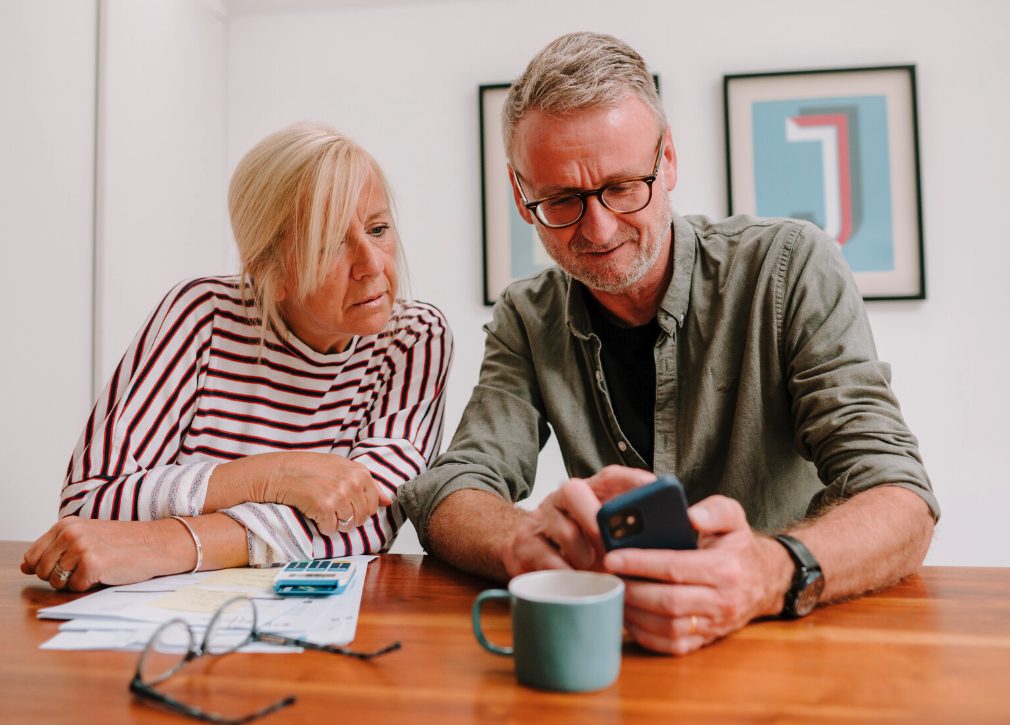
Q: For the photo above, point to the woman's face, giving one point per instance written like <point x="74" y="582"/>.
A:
<point x="356" y="297"/>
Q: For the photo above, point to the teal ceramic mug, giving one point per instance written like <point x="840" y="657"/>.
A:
<point x="566" y="628"/>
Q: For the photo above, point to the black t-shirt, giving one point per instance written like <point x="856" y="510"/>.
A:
<point x="629" y="365"/>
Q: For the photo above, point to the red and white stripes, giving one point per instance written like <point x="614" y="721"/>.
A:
<point x="196" y="388"/>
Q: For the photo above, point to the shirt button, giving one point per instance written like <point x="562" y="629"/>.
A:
<point x="622" y="446"/>
<point x="599" y="376"/>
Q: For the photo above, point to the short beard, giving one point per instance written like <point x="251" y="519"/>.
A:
<point x="612" y="280"/>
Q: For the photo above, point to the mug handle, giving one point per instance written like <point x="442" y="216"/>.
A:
<point x="485" y="596"/>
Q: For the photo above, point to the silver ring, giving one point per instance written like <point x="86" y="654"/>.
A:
<point x="62" y="574"/>
<point x="345" y="522"/>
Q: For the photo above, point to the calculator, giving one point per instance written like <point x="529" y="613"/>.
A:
<point x="316" y="578"/>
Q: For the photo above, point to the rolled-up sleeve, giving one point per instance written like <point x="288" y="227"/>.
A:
<point x="848" y="421"/>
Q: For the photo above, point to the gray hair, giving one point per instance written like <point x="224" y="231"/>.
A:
<point x="579" y="71"/>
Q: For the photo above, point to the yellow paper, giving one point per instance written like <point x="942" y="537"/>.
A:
<point x="243" y="577"/>
<point x="194" y="599"/>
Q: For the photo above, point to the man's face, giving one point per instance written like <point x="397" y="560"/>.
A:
<point x="584" y="150"/>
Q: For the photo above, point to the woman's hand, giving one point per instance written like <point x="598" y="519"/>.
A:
<point x="335" y="492"/>
<point x="78" y="554"/>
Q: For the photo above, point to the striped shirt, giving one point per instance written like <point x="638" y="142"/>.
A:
<point x="196" y="388"/>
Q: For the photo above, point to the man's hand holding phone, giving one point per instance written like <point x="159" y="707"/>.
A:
<point x="675" y="601"/>
<point x="653" y="516"/>
<point x="562" y="533"/>
<point x="679" y="600"/>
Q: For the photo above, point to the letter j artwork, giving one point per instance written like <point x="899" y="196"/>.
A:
<point x="827" y="161"/>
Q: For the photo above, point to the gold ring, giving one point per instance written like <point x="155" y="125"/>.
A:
<point x="62" y="574"/>
<point x="694" y="625"/>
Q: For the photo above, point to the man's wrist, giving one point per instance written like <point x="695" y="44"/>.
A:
<point x="505" y="553"/>
<point x="808" y="578"/>
<point x="779" y="570"/>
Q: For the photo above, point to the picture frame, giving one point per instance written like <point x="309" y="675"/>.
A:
<point x="512" y="249"/>
<point x="838" y="147"/>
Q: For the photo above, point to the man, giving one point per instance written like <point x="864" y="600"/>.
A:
<point x="736" y="355"/>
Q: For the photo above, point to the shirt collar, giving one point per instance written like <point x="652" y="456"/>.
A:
<point x="672" y="308"/>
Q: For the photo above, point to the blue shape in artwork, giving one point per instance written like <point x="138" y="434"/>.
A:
<point x="788" y="175"/>
<point x="522" y="243"/>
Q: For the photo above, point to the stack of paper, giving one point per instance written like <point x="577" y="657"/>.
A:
<point x="125" y="617"/>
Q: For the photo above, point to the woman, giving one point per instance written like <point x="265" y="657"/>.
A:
<point x="266" y="417"/>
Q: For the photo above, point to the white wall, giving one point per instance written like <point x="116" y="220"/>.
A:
<point x="47" y="127"/>
<point x="162" y="204"/>
<point x="402" y="79"/>
<point x="141" y="208"/>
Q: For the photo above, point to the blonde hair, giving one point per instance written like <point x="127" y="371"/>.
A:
<point x="579" y="71"/>
<point x="292" y="198"/>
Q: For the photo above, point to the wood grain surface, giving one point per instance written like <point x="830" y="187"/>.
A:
<point x="934" y="648"/>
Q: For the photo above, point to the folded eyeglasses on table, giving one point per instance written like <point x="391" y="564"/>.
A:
<point x="233" y="626"/>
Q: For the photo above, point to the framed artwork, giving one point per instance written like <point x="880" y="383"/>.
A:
<point x="512" y="249"/>
<point x="840" y="148"/>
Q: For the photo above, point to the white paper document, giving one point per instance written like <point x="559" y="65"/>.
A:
<point x="125" y="617"/>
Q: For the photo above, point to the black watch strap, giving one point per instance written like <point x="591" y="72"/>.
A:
<point x="808" y="581"/>
<point x="798" y="551"/>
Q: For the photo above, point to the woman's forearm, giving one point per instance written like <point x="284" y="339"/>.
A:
<point x="222" y="539"/>
<point x="97" y="551"/>
<point x="241" y="481"/>
<point x="338" y="494"/>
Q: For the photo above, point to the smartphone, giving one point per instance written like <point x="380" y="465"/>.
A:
<point x="653" y="516"/>
<point x="317" y="578"/>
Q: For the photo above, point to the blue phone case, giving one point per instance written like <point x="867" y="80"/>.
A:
<point x="653" y="516"/>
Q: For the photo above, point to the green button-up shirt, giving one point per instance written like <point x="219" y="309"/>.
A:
<point x="768" y="387"/>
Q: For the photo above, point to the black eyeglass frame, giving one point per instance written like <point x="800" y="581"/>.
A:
<point x="534" y="206"/>
<point x="146" y="692"/>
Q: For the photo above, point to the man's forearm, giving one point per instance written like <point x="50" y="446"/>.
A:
<point x="470" y="529"/>
<point x="872" y="540"/>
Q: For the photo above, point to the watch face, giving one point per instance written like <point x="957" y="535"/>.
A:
<point x="810" y="594"/>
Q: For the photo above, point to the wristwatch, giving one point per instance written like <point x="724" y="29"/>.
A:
<point x="808" y="581"/>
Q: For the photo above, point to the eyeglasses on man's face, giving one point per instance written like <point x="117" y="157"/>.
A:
<point x="232" y="627"/>
<point x="622" y="196"/>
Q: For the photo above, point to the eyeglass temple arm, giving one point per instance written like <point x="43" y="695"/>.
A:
<point x="305" y="644"/>
<point x="142" y="690"/>
<point x="522" y="192"/>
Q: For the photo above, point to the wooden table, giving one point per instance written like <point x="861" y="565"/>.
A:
<point x="934" y="648"/>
